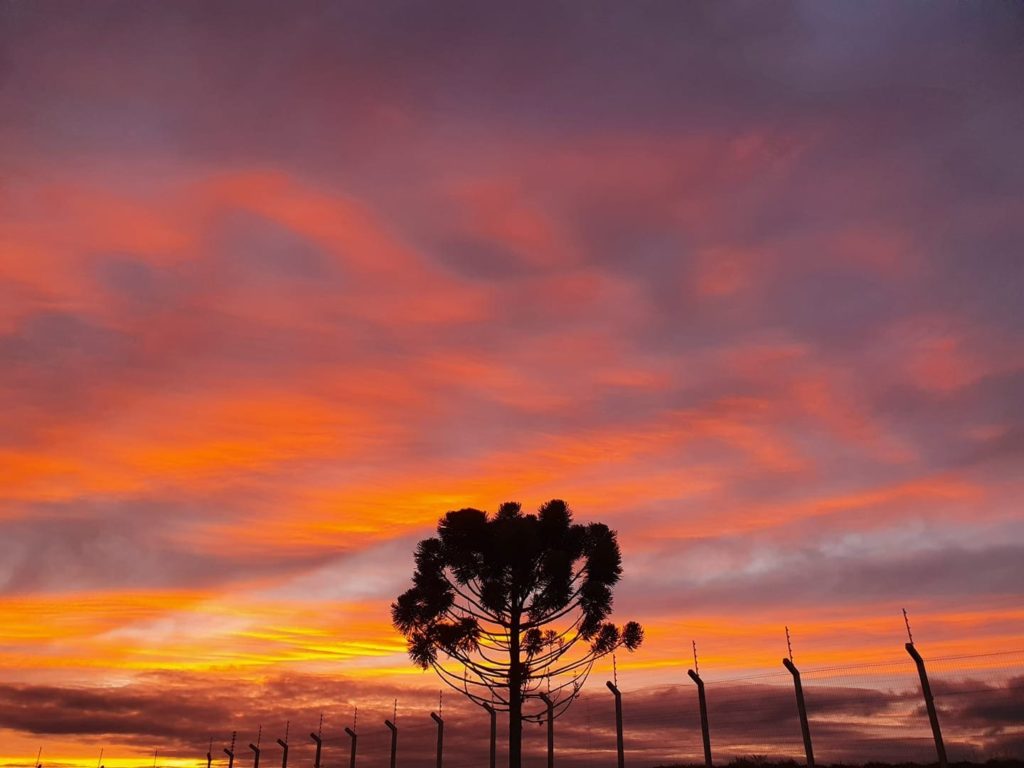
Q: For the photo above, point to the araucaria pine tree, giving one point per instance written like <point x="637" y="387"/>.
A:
<point x="511" y="606"/>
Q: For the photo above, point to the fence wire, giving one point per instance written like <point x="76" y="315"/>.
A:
<point x="857" y="713"/>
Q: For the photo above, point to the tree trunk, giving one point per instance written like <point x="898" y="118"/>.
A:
<point x="515" y="700"/>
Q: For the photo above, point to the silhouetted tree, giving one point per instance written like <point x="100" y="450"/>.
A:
<point x="509" y="606"/>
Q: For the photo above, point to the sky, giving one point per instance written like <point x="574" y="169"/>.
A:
<point x="280" y="284"/>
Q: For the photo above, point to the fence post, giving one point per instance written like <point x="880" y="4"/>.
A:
<point x="352" y="751"/>
<point x="551" y="729"/>
<point x="394" y="741"/>
<point x="618" y="723"/>
<point x="229" y="752"/>
<point x="209" y="758"/>
<point x="805" y="729"/>
<point x="929" y="702"/>
<point x="440" y="737"/>
<point x="316" y="760"/>
<point x="704" y="730"/>
<point x="256" y="752"/>
<point x="494" y="733"/>
<point x="284" y="755"/>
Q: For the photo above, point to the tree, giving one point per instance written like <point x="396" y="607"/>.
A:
<point x="511" y="606"/>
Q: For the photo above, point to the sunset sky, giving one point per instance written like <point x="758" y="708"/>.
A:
<point x="280" y="284"/>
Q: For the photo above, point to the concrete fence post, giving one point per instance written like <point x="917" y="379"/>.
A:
<point x="494" y="734"/>
<point x="352" y="750"/>
<point x="394" y="742"/>
<point x="551" y="729"/>
<point x="805" y="729"/>
<point x="705" y="732"/>
<point x="230" y="752"/>
<point x="440" y="738"/>
<point x="319" y="745"/>
<point x="618" y="723"/>
<point x="929" y="702"/>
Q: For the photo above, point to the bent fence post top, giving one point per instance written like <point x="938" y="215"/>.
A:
<point x="618" y="724"/>
<point x="284" y="754"/>
<point x="440" y="737"/>
<point x="319" y="745"/>
<point x="929" y="702"/>
<point x="352" y="752"/>
<point x="230" y="752"/>
<point x="705" y="731"/>
<point x="802" y="710"/>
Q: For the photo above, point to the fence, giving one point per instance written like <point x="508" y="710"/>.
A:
<point x="855" y="713"/>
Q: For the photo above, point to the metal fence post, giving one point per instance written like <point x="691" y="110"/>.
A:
<point x="440" y="737"/>
<point x="394" y="741"/>
<point x="284" y="754"/>
<point x="704" y="730"/>
<point x="256" y="753"/>
<point x="929" y="702"/>
<point x="618" y="723"/>
<point x="802" y="709"/>
<point x="494" y="734"/>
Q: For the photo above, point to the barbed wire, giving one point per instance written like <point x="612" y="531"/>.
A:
<point x="750" y="711"/>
